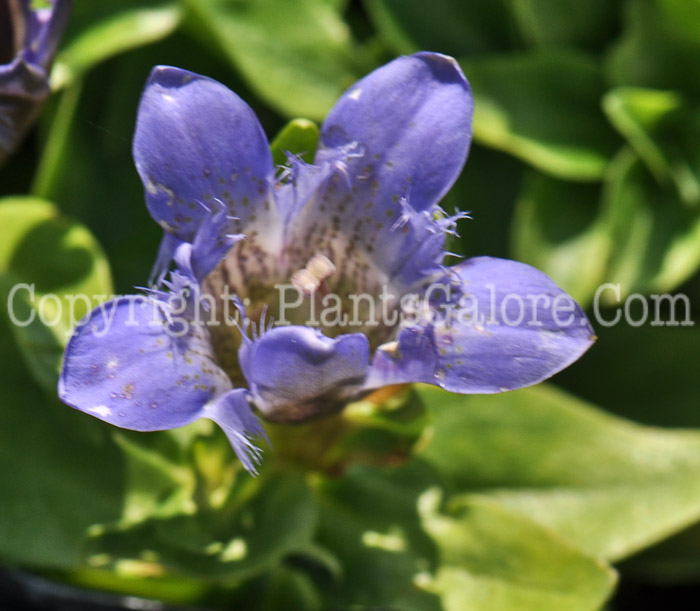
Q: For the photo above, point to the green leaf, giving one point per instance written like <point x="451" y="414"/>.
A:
<point x="298" y="56"/>
<point x="288" y="590"/>
<point x="298" y="137"/>
<point x="565" y="22"/>
<point x="543" y="107"/>
<point x="558" y="228"/>
<point x="87" y="168"/>
<point x="664" y="132"/>
<point x="264" y="521"/>
<point x="398" y="552"/>
<point x="60" y="472"/>
<point x="660" y="47"/>
<point x="120" y="32"/>
<point x="449" y="26"/>
<point x="493" y="558"/>
<point x="52" y="272"/>
<point x="656" y="237"/>
<point x="369" y="519"/>
<point x="608" y="486"/>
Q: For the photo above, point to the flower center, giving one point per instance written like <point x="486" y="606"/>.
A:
<point x="337" y="290"/>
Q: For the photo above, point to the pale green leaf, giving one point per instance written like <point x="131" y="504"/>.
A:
<point x="492" y="558"/>
<point x="120" y="32"/>
<point x="52" y="273"/>
<point x="606" y="485"/>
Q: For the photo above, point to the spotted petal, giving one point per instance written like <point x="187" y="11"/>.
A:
<point x="197" y="142"/>
<point x="398" y="137"/>
<point x="126" y="366"/>
<point x="493" y="325"/>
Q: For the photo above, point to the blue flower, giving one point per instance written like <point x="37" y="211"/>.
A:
<point x="28" y="42"/>
<point x="294" y="294"/>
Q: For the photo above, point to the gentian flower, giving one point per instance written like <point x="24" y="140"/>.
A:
<point x="29" y="39"/>
<point x="291" y="295"/>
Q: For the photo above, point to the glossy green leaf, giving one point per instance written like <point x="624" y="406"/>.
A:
<point x="544" y="108"/>
<point x="492" y="558"/>
<point x="606" y="485"/>
<point x="298" y="137"/>
<point x="120" y="32"/>
<point x="52" y="272"/>
<point x="449" y="26"/>
<point x="400" y="552"/>
<point x="656" y="237"/>
<point x="298" y="56"/>
<point x="60" y="472"/>
<point x="659" y="48"/>
<point x="558" y="228"/>
<point x="664" y="132"/>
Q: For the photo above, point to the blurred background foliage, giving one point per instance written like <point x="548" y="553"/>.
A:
<point x="577" y="494"/>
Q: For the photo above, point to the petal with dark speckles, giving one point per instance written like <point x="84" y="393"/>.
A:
<point x="509" y="326"/>
<point x="197" y="142"/>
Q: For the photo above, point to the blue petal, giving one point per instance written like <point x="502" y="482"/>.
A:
<point x="396" y="141"/>
<point x="197" y="142"/>
<point x="166" y="251"/>
<point x="23" y="90"/>
<point x="43" y="29"/>
<point x="24" y="82"/>
<point x="504" y="325"/>
<point x="297" y="373"/>
<point x="233" y="414"/>
<point x="125" y="365"/>
<point x="412" y="119"/>
<point x="212" y="241"/>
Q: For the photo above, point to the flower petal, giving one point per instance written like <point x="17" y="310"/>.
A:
<point x="196" y="142"/>
<point x="296" y="372"/>
<point x="412" y="119"/>
<point x="495" y="325"/>
<point x="43" y="29"/>
<point x="126" y="366"/>
<point x="23" y="90"/>
<point x="233" y="414"/>
<point x="396" y="141"/>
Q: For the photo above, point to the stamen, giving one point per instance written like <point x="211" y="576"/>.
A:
<point x="308" y="280"/>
